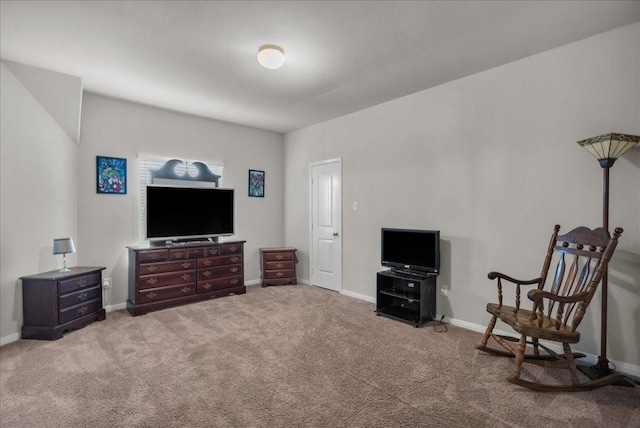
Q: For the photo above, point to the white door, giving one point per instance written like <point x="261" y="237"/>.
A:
<point x="326" y="224"/>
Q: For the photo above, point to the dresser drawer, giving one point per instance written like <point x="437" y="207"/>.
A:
<point x="185" y="253"/>
<point x="79" y="310"/>
<point x="158" y="294"/>
<point x="277" y="257"/>
<point x="153" y="256"/>
<point x="205" y="286"/>
<point x="277" y="274"/>
<point x="79" y="282"/>
<point x="153" y="268"/>
<point x="219" y="261"/>
<point x="213" y="250"/>
<point x="77" y="297"/>
<point x="231" y="248"/>
<point x="219" y="271"/>
<point x="288" y="264"/>
<point x="164" y="279"/>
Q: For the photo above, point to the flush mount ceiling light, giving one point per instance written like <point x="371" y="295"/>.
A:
<point x="271" y="56"/>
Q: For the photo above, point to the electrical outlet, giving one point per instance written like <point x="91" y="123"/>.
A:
<point x="106" y="283"/>
<point x="444" y="290"/>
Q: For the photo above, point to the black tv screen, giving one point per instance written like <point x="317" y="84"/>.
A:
<point x="411" y="249"/>
<point x="187" y="212"/>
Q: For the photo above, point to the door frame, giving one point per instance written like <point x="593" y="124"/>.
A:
<point x="311" y="255"/>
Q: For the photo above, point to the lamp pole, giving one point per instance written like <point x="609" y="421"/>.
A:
<point x="602" y="366"/>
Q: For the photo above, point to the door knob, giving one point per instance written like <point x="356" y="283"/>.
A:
<point x="335" y="233"/>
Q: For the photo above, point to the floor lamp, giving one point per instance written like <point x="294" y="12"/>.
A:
<point x="606" y="148"/>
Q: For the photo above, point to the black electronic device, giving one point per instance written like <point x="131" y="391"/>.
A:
<point x="411" y="251"/>
<point x="188" y="213"/>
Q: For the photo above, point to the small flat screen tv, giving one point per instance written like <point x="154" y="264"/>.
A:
<point x="411" y="250"/>
<point x="188" y="213"/>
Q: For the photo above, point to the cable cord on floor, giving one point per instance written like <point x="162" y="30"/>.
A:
<point x="436" y="325"/>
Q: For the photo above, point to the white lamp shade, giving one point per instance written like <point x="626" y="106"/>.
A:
<point x="609" y="146"/>
<point x="271" y="56"/>
<point x="63" y="246"/>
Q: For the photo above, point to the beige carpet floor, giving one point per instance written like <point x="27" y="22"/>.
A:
<point x="294" y="356"/>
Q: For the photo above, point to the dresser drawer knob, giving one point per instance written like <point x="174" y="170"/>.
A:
<point x="152" y="281"/>
<point x="186" y="276"/>
<point x="179" y="254"/>
<point x="279" y="256"/>
<point x="83" y="310"/>
<point x="206" y="273"/>
<point x="151" y="295"/>
<point x="152" y="268"/>
<point x="234" y="269"/>
<point x="186" y="265"/>
<point x="207" y="262"/>
<point x="279" y="265"/>
<point x="234" y="281"/>
<point x="207" y="286"/>
<point x="279" y="274"/>
<point x="81" y="283"/>
<point x="234" y="259"/>
<point x="82" y="296"/>
<point x="213" y="251"/>
<point x="186" y="289"/>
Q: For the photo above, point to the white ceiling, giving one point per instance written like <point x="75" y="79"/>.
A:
<point x="200" y="57"/>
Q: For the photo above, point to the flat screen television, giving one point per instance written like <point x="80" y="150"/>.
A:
<point x="187" y="213"/>
<point x="411" y="250"/>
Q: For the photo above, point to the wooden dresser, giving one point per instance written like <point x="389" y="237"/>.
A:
<point x="55" y="302"/>
<point x="164" y="276"/>
<point x="278" y="266"/>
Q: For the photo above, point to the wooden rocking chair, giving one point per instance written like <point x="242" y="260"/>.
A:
<point x="582" y="257"/>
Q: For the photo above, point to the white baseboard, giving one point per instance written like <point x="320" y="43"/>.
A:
<point x="8" y="339"/>
<point x="116" y="307"/>
<point x="358" y="296"/>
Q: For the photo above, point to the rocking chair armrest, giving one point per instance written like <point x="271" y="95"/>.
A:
<point x="494" y="275"/>
<point x="537" y="295"/>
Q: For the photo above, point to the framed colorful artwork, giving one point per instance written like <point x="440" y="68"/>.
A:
<point x="256" y="183"/>
<point x="111" y="175"/>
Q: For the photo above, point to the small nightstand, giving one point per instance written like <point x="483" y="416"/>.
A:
<point x="54" y="302"/>
<point x="278" y="266"/>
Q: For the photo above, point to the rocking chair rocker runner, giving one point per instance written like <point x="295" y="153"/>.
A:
<point x="582" y="256"/>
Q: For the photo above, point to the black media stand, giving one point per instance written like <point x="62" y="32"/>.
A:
<point x="407" y="298"/>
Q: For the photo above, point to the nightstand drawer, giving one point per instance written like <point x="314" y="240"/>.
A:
<point x="80" y="310"/>
<point x="79" y="282"/>
<point x="84" y="295"/>
<point x="279" y="265"/>
<point x="278" y="274"/>
<point x="277" y="257"/>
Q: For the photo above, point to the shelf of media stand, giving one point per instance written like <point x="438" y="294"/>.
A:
<point x="404" y="298"/>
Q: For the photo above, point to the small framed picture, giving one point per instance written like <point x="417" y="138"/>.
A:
<point x="111" y="175"/>
<point x="256" y="183"/>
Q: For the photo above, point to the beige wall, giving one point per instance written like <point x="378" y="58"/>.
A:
<point x="108" y="223"/>
<point x="492" y="161"/>
<point x="38" y="187"/>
